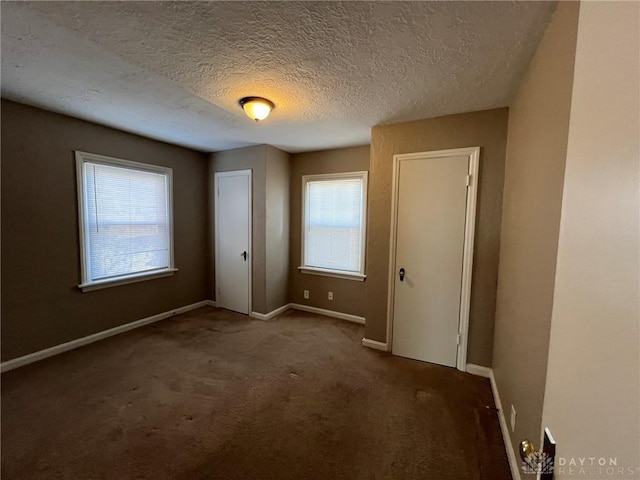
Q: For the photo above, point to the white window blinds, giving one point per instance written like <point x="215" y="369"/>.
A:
<point x="334" y="222"/>
<point x="126" y="215"/>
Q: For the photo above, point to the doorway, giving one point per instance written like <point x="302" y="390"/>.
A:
<point x="233" y="257"/>
<point x="433" y="224"/>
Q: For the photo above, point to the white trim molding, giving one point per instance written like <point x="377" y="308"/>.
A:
<point x="80" y="342"/>
<point x="487" y="372"/>
<point x="479" y="370"/>
<point x="328" y="313"/>
<point x="302" y="308"/>
<point x="88" y="282"/>
<point x="333" y="273"/>
<point x="125" y="280"/>
<point x="473" y="155"/>
<point x="363" y="176"/>
<point x="271" y="314"/>
<point x="366" y="342"/>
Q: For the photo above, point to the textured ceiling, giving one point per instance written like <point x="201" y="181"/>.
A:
<point x="175" y="70"/>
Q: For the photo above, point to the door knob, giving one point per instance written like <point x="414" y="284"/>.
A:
<point x="401" y="274"/>
<point x="244" y="255"/>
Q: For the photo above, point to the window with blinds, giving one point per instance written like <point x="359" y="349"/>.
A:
<point x="334" y="223"/>
<point x="125" y="219"/>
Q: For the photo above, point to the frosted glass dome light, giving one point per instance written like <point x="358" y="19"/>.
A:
<point x="256" y="108"/>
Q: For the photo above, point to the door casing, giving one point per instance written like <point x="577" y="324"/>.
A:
<point x="217" y="177"/>
<point x="473" y="153"/>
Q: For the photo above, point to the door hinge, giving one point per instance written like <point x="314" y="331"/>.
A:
<point x="458" y="339"/>
<point x="468" y="180"/>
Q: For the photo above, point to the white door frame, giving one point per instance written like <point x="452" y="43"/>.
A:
<point x="473" y="153"/>
<point x="217" y="176"/>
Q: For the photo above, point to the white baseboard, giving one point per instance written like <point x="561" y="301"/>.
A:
<point x="479" y="370"/>
<point x="79" y="342"/>
<point x="270" y="315"/>
<point x="328" y="313"/>
<point x="210" y="303"/>
<point x="486" y="372"/>
<point x="511" y="454"/>
<point x="310" y="309"/>
<point x="375" y="344"/>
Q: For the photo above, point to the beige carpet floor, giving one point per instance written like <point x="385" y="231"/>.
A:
<point x="214" y="395"/>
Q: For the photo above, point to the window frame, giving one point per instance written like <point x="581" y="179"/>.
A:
<point x="345" y="274"/>
<point x="86" y="283"/>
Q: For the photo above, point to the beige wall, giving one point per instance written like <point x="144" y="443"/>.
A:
<point x="487" y="129"/>
<point x="41" y="304"/>
<point x="592" y="399"/>
<point x="536" y="152"/>
<point x="349" y="295"/>
<point x="277" y="228"/>
<point x="270" y="195"/>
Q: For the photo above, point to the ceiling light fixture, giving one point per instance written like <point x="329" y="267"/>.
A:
<point x="256" y="108"/>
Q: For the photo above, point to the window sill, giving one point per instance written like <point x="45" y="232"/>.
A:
<point x="140" y="277"/>
<point x="333" y="273"/>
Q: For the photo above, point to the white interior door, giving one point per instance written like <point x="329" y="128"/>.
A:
<point x="430" y="228"/>
<point x="233" y="240"/>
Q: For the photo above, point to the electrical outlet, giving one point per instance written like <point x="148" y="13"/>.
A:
<point x="330" y="296"/>
<point x="305" y="294"/>
<point x="513" y="418"/>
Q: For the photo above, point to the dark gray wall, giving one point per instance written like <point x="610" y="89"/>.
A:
<point x="486" y="129"/>
<point x="254" y="159"/>
<point x="348" y="295"/>
<point x="277" y="228"/>
<point x="270" y="220"/>
<point x="534" y="183"/>
<point x="41" y="304"/>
